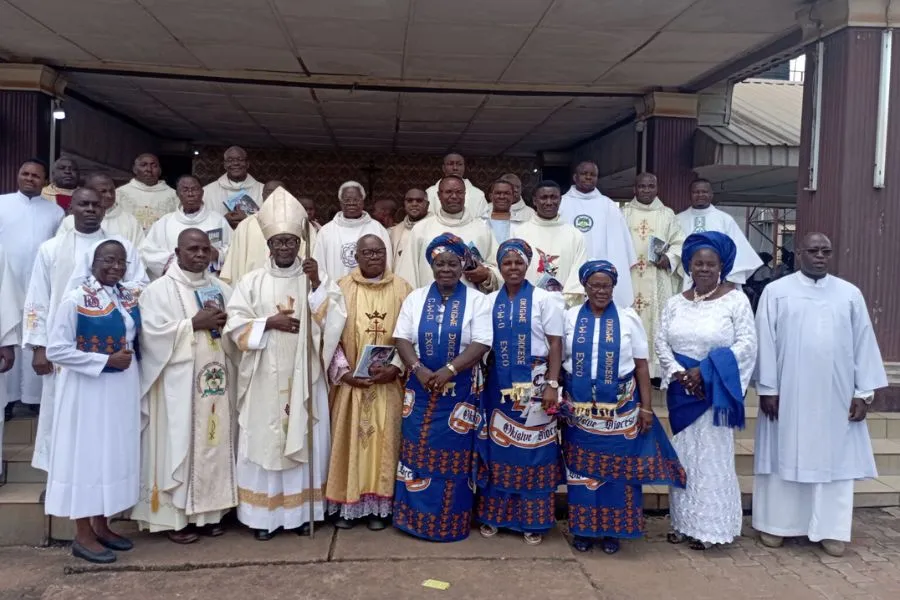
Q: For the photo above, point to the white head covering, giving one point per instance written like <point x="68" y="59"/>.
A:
<point x="351" y="184"/>
<point x="282" y="213"/>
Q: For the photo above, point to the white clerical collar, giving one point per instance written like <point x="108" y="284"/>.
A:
<point x="820" y="283"/>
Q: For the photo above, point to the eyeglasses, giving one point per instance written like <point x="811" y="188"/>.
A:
<point x="290" y="244"/>
<point x="603" y="287"/>
<point x="112" y="262"/>
<point x="373" y="253"/>
<point x="816" y="251"/>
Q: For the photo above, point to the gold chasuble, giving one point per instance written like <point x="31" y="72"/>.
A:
<point x="365" y="423"/>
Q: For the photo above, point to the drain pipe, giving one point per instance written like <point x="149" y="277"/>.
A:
<point x="884" y="107"/>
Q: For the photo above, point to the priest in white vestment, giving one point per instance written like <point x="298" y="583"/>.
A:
<point x="454" y="165"/>
<point x="415" y="205"/>
<point x="287" y="319"/>
<point x="188" y="383"/>
<point x="819" y="366"/>
<point x="158" y="248"/>
<point x="335" y="248"/>
<point x="499" y="215"/>
<point x="703" y="216"/>
<point x="558" y="247"/>
<point x="10" y="331"/>
<point x="51" y="278"/>
<point x="519" y="211"/>
<point x="115" y="221"/>
<point x="27" y="220"/>
<point x="451" y="217"/>
<point x="146" y="196"/>
<point x="64" y="178"/>
<point x="606" y="235"/>
<point x="657" y="238"/>
<point x="235" y="183"/>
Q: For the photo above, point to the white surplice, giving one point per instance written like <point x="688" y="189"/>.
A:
<point x="10" y="325"/>
<point x="146" y="203"/>
<point x="248" y="250"/>
<point x="558" y="254"/>
<point x="273" y="450"/>
<point x="817" y="351"/>
<point x="696" y="220"/>
<point x="475" y="199"/>
<point x="606" y="235"/>
<point x="653" y="286"/>
<point x="51" y="279"/>
<point x="25" y="224"/>
<point x="115" y="222"/>
<point x="709" y="508"/>
<point x="158" y="248"/>
<point x="216" y="193"/>
<point x="188" y="385"/>
<point x="335" y="247"/>
<point x="94" y="463"/>
<point x="413" y="265"/>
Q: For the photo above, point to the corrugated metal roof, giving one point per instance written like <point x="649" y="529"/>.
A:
<point x="764" y="112"/>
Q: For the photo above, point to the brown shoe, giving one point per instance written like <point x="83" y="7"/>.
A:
<point x="183" y="537"/>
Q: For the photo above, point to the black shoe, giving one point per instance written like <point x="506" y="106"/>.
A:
<point x="263" y="536"/>
<point x="214" y="530"/>
<point x="303" y="530"/>
<point x="8" y="412"/>
<point x="33" y="410"/>
<point x="119" y="544"/>
<point x="341" y="523"/>
<point x="376" y="524"/>
<point x="105" y="557"/>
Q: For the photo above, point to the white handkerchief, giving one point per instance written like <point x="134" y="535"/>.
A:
<point x="537" y="416"/>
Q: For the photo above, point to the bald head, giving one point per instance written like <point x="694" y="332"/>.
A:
<point x="454" y="164"/>
<point x="270" y="187"/>
<point x="415" y="204"/>
<point x="236" y="163"/>
<point x="514" y="180"/>
<point x="371" y="256"/>
<point x="645" y="188"/>
<point x="194" y="250"/>
<point x="146" y="169"/>
<point x="585" y="177"/>
<point x="307" y="203"/>
<point x="104" y="185"/>
<point x="383" y="211"/>
<point x="815" y="255"/>
<point x="64" y="174"/>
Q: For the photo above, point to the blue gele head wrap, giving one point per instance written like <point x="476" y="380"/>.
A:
<point x="598" y="266"/>
<point x="718" y="242"/>
<point x="520" y="247"/>
<point x="446" y="242"/>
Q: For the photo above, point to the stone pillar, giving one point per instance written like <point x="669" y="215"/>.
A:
<point x="667" y="144"/>
<point x="26" y="106"/>
<point x="837" y="192"/>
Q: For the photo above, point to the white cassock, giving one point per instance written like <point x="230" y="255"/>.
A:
<point x="476" y="203"/>
<point x="188" y="385"/>
<point x="606" y="235"/>
<point x="10" y="326"/>
<point x="248" y="250"/>
<point x="413" y="265"/>
<point x="115" y="222"/>
<point x="158" y="248"/>
<point x="273" y="450"/>
<point x="502" y="228"/>
<point x="94" y="466"/>
<point x="25" y="223"/>
<point x="335" y="247"/>
<point x="653" y="286"/>
<point x="216" y="193"/>
<point x="558" y="254"/>
<point x="817" y="351"/>
<point x="147" y="203"/>
<point x="52" y="277"/>
<point x="696" y="220"/>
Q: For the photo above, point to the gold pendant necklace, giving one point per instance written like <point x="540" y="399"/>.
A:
<point x="701" y="297"/>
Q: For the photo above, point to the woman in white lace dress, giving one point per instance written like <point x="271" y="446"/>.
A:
<point x="706" y="345"/>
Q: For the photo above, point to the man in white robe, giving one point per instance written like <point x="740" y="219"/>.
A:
<point x="287" y="319"/>
<point x="146" y="196"/>
<point x="415" y="205"/>
<point x="451" y="217"/>
<point x="455" y="165"/>
<point x="606" y="235"/>
<point x="703" y="216"/>
<point x="188" y="383"/>
<point x="64" y="178"/>
<point x="115" y="221"/>
<point x="558" y="247"/>
<point x="51" y="278"/>
<point x="819" y="366"/>
<point x="158" y="248"/>
<point x="27" y="220"/>
<point x="335" y="248"/>
<point x="235" y="183"/>
<point x="519" y="211"/>
<point x="498" y="215"/>
<point x="10" y="331"/>
<point x="653" y="276"/>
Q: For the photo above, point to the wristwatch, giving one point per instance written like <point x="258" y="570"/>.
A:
<point x="553" y="384"/>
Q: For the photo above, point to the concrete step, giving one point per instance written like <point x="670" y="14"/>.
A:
<point x="20" y="430"/>
<point x="17" y="465"/>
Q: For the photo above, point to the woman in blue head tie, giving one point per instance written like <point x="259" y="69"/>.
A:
<point x="519" y="468"/>
<point x="442" y="332"/>
<point x="612" y="442"/>
<point x="706" y="344"/>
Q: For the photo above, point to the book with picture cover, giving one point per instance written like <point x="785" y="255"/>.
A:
<point x="241" y="201"/>
<point x="211" y="296"/>
<point x="655" y="249"/>
<point x="372" y="356"/>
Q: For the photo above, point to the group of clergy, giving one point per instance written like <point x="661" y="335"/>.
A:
<point x="262" y="317"/>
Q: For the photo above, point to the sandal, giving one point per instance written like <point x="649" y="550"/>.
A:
<point x="610" y="545"/>
<point x="582" y="544"/>
<point x="533" y="539"/>
<point x="183" y="537"/>
<point x="673" y="537"/>
<point x="488" y="531"/>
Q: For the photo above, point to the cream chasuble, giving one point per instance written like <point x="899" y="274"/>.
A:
<point x="653" y="286"/>
<point x="57" y="195"/>
<point x="365" y="423"/>
<point x="115" y="222"/>
<point x="216" y="193"/>
<point x="335" y="247"/>
<point x="248" y="250"/>
<point x="158" y="247"/>
<point x="147" y="203"/>
<point x="188" y="383"/>
<point x="558" y="254"/>
<point x="413" y="267"/>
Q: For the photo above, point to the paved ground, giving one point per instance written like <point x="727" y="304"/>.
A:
<point x="362" y="564"/>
